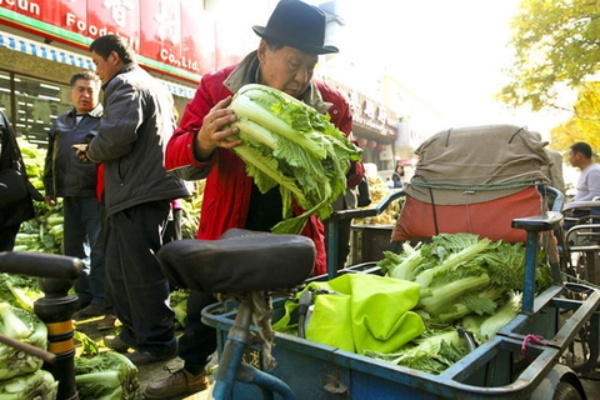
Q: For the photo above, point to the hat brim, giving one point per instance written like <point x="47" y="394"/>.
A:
<point x="260" y="31"/>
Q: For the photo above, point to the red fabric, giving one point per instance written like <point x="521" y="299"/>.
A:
<point x="228" y="188"/>
<point x="100" y="183"/>
<point x="491" y="219"/>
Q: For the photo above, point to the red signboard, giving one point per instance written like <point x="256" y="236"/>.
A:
<point x="197" y="27"/>
<point x="117" y="16"/>
<point x="161" y="36"/>
<point x="175" y="35"/>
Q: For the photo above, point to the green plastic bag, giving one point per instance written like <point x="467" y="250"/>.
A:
<point x="363" y="312"/>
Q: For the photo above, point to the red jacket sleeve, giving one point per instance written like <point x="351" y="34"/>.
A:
<point x="180" y="149"/>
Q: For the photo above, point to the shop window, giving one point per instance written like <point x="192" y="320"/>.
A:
<point x="5" y="104"/>
<point x="38" y="104"/>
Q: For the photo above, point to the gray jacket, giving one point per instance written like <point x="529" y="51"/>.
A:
<point x="131" y="141"/>
<point x="65" y="175"/>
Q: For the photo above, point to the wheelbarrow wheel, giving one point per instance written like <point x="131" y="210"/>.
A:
<point x="566" y="391"/>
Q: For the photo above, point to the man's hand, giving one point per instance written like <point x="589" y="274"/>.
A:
<point x="50" y="200"/>
<point x="216" y="131"/>
<point x="80" y="150"/>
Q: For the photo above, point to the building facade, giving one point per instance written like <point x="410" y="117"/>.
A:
<point x="44" y="42"/>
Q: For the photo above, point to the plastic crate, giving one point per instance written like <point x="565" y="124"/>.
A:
<point x="369" y="242"/>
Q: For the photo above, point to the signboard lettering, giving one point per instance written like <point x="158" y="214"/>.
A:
<point x="176" y="33"/>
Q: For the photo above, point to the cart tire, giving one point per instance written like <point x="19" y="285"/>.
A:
<point x="566" y="391"/>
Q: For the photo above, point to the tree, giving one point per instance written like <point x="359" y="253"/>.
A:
<point x="584" y="126"/>
<point x="556" y="46"/>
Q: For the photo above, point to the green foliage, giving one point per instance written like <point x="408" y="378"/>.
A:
<point x="556" y="46"/>
<point x="584" y="125"/>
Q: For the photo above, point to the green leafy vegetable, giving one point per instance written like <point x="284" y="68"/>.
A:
<point x="462" y="274"/>
<point x="106" y="376"/>
<point x="19" y="290"/>
<point x="432" y="352"/>
<point x="26" y="327"/>
<point x="455" y="259"/>
<point x="492" y="324"/>
<point x="290" y="145"/>
<point x="39" y="385"/>
<point x="89" y="347"/>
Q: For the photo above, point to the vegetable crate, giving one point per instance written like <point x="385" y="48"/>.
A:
<point x="368" y="242"/>
<point x="509" y="366"/>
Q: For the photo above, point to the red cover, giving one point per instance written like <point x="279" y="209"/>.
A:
<point x="491" y="219"/>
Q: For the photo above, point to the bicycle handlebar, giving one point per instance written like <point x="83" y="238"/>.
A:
<point x="41" y="265"/>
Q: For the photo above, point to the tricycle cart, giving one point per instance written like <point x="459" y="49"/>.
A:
<point x="506" y="367"/>
<point x="530" y="358"/>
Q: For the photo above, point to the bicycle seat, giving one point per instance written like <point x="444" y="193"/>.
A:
<point x="239" y="261"/>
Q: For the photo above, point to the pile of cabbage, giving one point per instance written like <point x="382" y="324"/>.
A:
<point x="21" y="376"/>
<point x="99" y="375"/>
<point x="431" y="297"/>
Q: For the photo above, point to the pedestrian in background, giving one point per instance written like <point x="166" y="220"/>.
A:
<point x="73" y="180"/>
<point x="131" y="140"/>
<point x="398" y="176"/>
<point x="588" y="183"/>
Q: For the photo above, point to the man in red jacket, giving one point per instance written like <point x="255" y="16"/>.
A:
<point x="201" y="147"/>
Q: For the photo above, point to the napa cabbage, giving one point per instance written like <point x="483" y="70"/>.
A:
<point x="289" y="145"/>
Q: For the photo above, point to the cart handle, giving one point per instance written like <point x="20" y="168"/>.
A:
<point x="41" y="265"/>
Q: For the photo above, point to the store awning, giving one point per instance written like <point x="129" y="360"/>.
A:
<point x="53" y="53"/>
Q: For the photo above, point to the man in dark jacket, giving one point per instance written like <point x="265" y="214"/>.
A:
<point x="12" y="216"/>
<point x="66" y="176"/>
<point x="201" y="147"/>
<point x="131" y="140"/>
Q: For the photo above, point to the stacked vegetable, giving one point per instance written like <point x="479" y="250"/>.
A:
<point x="466" y="282"/>
<point x="21" y="376"/>
<point x="106" y="376"/>
<point x="44" y="233"/>
<point x="289" y="144"/>
<point x="379" y="191"/>
<point x="461" y="274"/>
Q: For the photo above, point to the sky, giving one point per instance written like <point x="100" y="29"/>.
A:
<point x="450" y="54"/>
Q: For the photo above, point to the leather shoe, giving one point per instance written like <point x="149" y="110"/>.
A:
<point x="90" y="311"/>
<point x="178" y="383"/>
<point x="107" y="323"/>
<point x="142" y="357"/>
<point x="117" y="344"/>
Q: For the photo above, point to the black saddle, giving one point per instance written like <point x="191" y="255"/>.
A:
<point x="239" y="261"/>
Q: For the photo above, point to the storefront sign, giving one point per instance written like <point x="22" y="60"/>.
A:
<point x="172" y="36"/>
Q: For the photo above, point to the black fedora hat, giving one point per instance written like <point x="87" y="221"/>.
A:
<point x="299" y="25"/>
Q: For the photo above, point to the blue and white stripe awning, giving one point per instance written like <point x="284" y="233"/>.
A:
<point x="45" y="51"/>
<point x="52" y="53"/>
